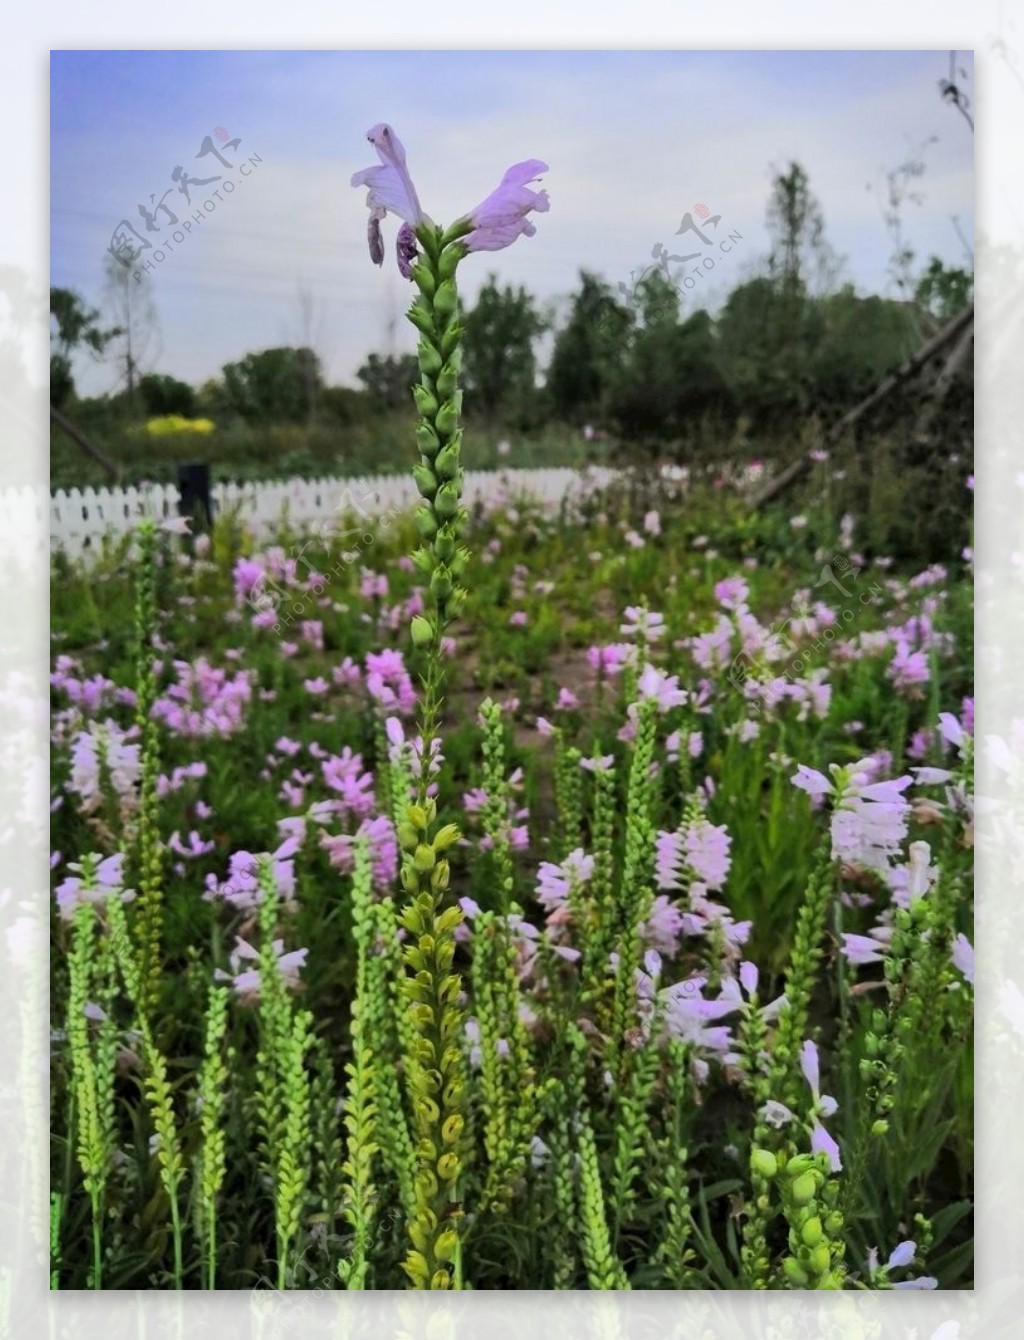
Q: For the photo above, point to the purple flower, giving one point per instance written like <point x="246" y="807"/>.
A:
<point x="390" y="190"/>
<point x="822" y="1143"/>
<point x="963" y="956"/>
<point x="494" y="224"/>
<point x="501" y="218"/>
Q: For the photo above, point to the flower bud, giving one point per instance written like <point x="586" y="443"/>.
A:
<point x="451" y="333"/>
<point x="424" y="858"/>
<point x="426" y="401"/>
<point x="422" y="631"/>
<point x="422" y="275"/>
<point x="445" y="1244"/>
<point x="446" y="466"/>
<point x="426" y="522"/>
<point x="426" y="480"/>
<point x="427" y="440"/>
<point x="440" y="1279"/>
<point x="448" y="1167"/>
<point x="449" y="259"/>
<point x="407" y="836"/>
<point x="452" y="1128"/>
<point x="446" y="837"/>
<point x="410" y="881"/>
<point x="446" y="300"/>
<point x="880" y="1127"/>
<point x="447" y="378"/>
<point x="811" y="1234"/>
<point x="446" y="503"/>
<point x="820" y="1260"/>
<point x="441" y="584"/>
<point x="448" y="415"/>
<point x="440" y="876"/>
<point x="804" y="1188"/>
<point x="422" y="318"/>
<point x="794" y="1272"/>
<point x="431" y="362"/>
<point x="764" y="1163"/>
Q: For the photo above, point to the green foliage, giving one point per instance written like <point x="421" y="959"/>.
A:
<point x="500" y="364"/>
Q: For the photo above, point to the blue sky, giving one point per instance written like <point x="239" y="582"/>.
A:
<point x="633" y="139"/>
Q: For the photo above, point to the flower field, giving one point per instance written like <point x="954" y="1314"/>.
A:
<point x="652" y="969"/>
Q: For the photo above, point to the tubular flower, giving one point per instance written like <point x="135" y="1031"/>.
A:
<point x="493" y="225"/>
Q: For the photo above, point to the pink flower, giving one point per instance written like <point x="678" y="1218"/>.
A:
<point x="500" y="219"/>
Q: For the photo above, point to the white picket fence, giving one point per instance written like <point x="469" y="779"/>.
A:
<point x="81" y="518"/>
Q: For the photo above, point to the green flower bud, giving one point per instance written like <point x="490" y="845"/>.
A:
<point x="820" y="1260"/>
<point x="452" y="1129"/>
<point x="445" y="1244"/>
<point x="416" y="814"/>
<point x="446" y="300"/>
<point x="426" y="480"/>
<point x="407" y="836"/>
<point x="447" y="463"/>
<point x="449" y="259"/>
<point x="409" y="878"/>
<point x="446" y="503"/>
<point x="446" y="837"/>
<point x="439" y="877"/>
<point x="423" y="277"/>
<point x="811" y="1234"/>
<point x="415" y="1266"/>
<point x="451" y="916"/>
<point x="426" y="522"/>
<point x="448" y="1167"/>
<point x="447" y="379"/>
<point x="800" y="1163"/>
<point x="444" y="547"/>
<point x="427" y="440"/>
<point x="430" y="359"/>
<point x="423" y="319"/>
<point x="880" y="1127"/>
<point x="447" y="419"/>
<point x="803" y="1188"/>
<point x="451" y="334"/>
<point x="424" y="858"/>
<point x="422" y="631"/>
<point x="441" y="584"/>
<point x="764" y="1163"/>
<point x="440" y="1279"/>
<point x="794" y="1272"/>
<point x="426" y="402"/>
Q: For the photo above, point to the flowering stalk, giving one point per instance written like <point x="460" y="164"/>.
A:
<point x="156" y="1084"/>
<point x="212" y="1100"/>
<point x="433" y="1061"/>
<point x="285" y="1085"/>
<point x="148" y="854"/>
<point x="360" y="1101"/>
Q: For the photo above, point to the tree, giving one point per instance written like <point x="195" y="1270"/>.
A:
<point x="586" y="351"/>
<point x="73" y="325"/>
<point x="166" y="395"/>
<point x="944" y="292"/>
<point x="131" y="306"/>
<point x="669" y="380"/>
<point x="800" y="258"/>
<point x="274" y="385"/>
<point x="388" y="381"/>
<point x="499" y="361"/>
